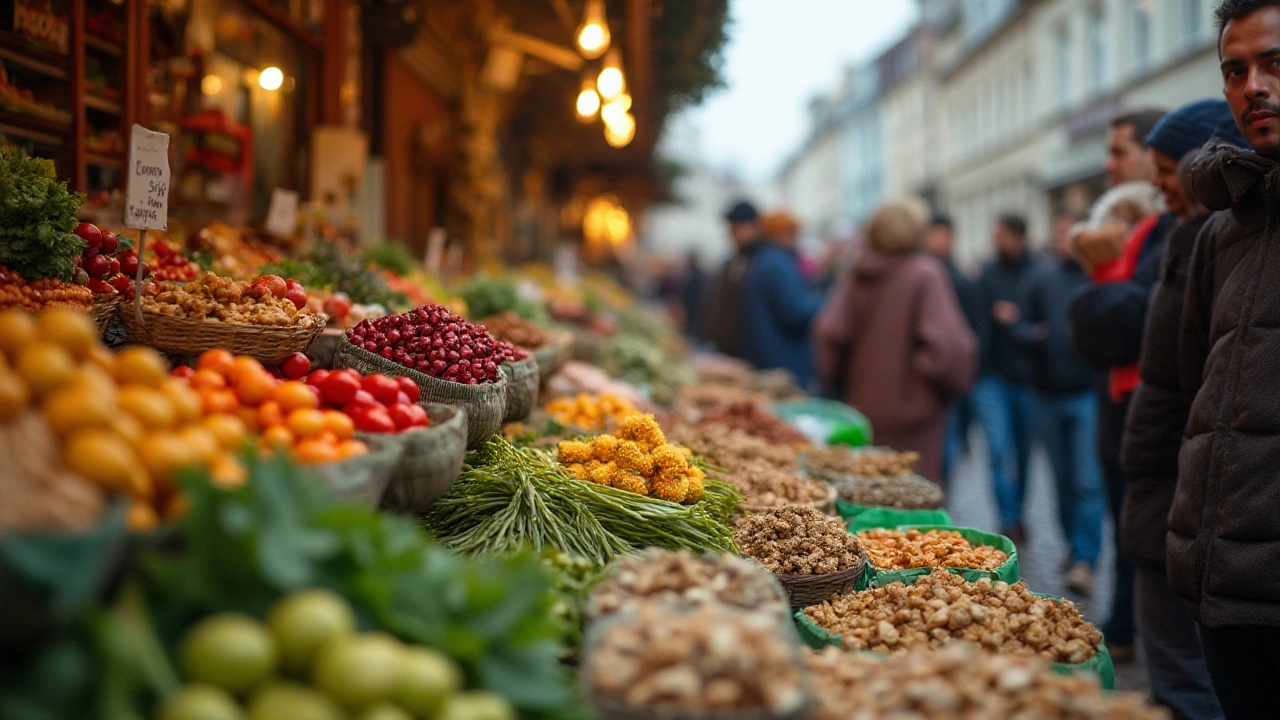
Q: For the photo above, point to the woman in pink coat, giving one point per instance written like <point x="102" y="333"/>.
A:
<point x="891" y="338"/>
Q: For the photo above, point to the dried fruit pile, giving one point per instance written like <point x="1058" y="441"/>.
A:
<point x="710" y="660"/>
<point x="765" y="485"/>
<point x="435" y="342"/>
<point x="878" y="462"/>
<point x="906" y="549"/>
<point x="591" y="412"/>
<point x="269" y="300"/>
<point x="797" y="541"/>
<point x="509" y="327"/>
<point x="960" y="682"/>
<point x="754" y="420"/>
<point x="728" y="449"/>
<point x="638" y="459"/>
<point x="904" y="492"/>
<point x="49" y="292"/>
<point x="941" y="607"/>
<point x="682" y="578"/>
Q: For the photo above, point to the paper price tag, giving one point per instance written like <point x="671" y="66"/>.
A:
<point x="146" y="203"/>
<point x="282" y="215"/>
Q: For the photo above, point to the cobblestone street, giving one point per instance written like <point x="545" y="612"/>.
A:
<point x="972" y="504"/>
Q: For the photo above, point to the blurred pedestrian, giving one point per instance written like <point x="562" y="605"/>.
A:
<point x="1157" y="418"/>
<point x="892" y="340"/>
<point x="778" y="305"/>
<point x="1065" y="411"/>
<point x="783" y="230"/>
<point x="1106" y="327"/>
<point x="721" y="316"/>
<point x="691" y="294"/>
<point x="1002" y="397"/>
<point x="939" y="242"/>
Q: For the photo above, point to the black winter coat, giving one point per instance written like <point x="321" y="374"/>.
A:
<point x="1056" y="368"/>
<point x="1158" y="410"/>
<point x="1001" y="355"/>
<point x="1223" y="549"/>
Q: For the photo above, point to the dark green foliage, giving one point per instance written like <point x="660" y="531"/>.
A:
<point x="37" y="217"/>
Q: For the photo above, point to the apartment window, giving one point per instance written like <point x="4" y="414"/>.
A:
<point x="1063" y="55"/>
<point x="1141" y="34"/>
<point x="1192" y="20"/>
<point x="1097" y="49"/>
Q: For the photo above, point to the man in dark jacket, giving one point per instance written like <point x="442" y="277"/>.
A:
<point x="1002" y="397"/>
<point x="721" y="320"/>
<point x="1066" y="412"/>
<point x="1157" y="417"/>
<point x="1223" y="550"/>
<point x="777" y="309"/>
<point x="939" y="242"/>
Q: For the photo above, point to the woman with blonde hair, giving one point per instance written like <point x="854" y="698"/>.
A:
<point x="891" y="340"/>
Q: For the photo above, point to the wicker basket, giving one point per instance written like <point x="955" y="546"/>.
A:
<point x="486" y="403"/>
<point x="522" y="388"/>
<point x="806" y="590"/>
<point x="183" y="336"/>
<point x="104" y="310"/>
<point x="363" y="479"/>
<point x="430" y="462"/>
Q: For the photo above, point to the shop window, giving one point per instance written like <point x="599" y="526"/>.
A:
<point x="1097" y="49"/>
<point x="1064" y="59"/>
<point x="1192" y="21"/>
<point x="1141" y="34"/>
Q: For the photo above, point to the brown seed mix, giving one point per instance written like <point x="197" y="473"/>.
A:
<point x="797" y="541"/>
<point x="905" y="492"/>
<point x="906" y="549"/>
<point x="729" y="449"/>
<point x="765" y="485"/>
<point x="754" y="420"/>
<point x="875" y="462"/>
<point x="941" y="608"/>
<point x="682" y="578"/>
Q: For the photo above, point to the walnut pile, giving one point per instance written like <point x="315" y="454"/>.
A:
<point x="904" y="492"/>
<point x="681" y="578"/>
<point x="211" y="297"/>
<point x="942" y="607"/>
<point x="729" y="449"/>
<point x="906" y="549"/>
<point x="869" y="462"/>
<point x="960" y="682"/>
<point x="766" y="486"/>
<point x="710" y="660"/>
<point x="797" y="541"/>
<point x="753" y="419"/>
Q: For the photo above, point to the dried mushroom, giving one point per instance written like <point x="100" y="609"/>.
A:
<point x="941" y="607"/>
<point x="960" y="682"/>
<point x="906" y="549"/>
<point x="682" y="578"/>
<point x="797" y="541"/>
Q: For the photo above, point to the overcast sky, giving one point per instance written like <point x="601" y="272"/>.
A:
<point x="780" y="54"/>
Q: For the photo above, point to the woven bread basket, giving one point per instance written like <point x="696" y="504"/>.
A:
<point x="183" y="336"/>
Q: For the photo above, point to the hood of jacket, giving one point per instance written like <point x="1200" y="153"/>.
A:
<point x="1224" y="175"/>
<point x="874" y="266"/>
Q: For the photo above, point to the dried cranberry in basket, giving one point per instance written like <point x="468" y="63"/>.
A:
<point x="436" y="342"/>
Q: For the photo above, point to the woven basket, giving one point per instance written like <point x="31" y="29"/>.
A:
<point x="486" y="403"/>
<point x="430" y="461"/>
<point x="363" y="479"/>
<point x="104" y="310"/>
<point x="522" y="388"/>
<point x="806" y="590"/>
<point x="827" y="505"/>
<point x="553" y="355"/>
<point x="183" y="336"/>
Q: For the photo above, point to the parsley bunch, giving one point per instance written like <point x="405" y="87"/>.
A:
<point x="37" y="217"/>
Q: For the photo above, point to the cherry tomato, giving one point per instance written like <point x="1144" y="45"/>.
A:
<point x="375" y="420"/>
<point x="382" y="388"/>
<point x="407" y="416"/>
<point x="296" y="366"/>
<point x="90" y="234"/>
<point x="182" y="371"/>
<point x="363" y="399"/>
<point x="316" y="378"/>
<point x="410" y="388"/>
<point x="340" y="388"/>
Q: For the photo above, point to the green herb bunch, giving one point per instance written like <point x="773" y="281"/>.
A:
<point x="37" y="217"/>
<point x="487" y="296"/>
<point x="389" y="256"/>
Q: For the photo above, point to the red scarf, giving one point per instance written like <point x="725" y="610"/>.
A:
<point x="1124" y="379"/>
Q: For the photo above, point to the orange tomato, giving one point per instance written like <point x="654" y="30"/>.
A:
<point x="218" y="360"/>
<point x="244" y="365"/>
<point x="306" y="422"/>
<point x="227" y="472"/>
<point x="249" y="416"/>
<point x="228" y="430"/>
<point x="254" y="387"/>
<point x="316" y="451"/>
<point x="164" y="453"/>
<point x="201" y="442"/>
<point x="296" y="395"/>
<point x="148" y="406"/>
<point x="219" y="402"/>
<point x="340" y="424"/>
<point x="277" y="436"/>
<point x="186" y="402"/>
<point x="270" y="415"/>
<point x="351" y="448"/>
<point x="205" y="378"/>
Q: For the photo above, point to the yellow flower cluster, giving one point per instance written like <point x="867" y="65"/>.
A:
<point x="591" y="412"/>
<point x="638" y="459"/>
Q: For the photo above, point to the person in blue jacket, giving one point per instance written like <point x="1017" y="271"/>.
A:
<point x="778" y="306"/>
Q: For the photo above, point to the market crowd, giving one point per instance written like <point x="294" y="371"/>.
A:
<point x="1140" y="349"/>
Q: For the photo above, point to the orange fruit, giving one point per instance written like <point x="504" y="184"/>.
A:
<point x="278" y="437"/>
<point x="75" y="331"/>
<point x="150" y="407"/>
<point x="254" y="388"/>
<point x="139" y="365"/>
<point x="227" y="472"/>
<point x="201" y="442"/>
<point x="270" y="414"/>
<point x="249" y="416"/>
<point x="316" y="451"/>
<point x="102" y="358"/>
<point x="45" y="367"/>
<point x="306" y="423"/>
<point x="218" y="360"/>
<point x="75" y="407"/>
<point x="205" y="378"/>
<point x="296" y="395"/>
<point x="187" y="403"/>
<point x="128" y="427"/>
<point x="228" y="430"/>
<point x="218" y="402"/>
<point x="15" y="396"/>
<point x="142" y="516"/>
<point x="17" y="330"/>
<point x="351" y="448"/>
<point x="165" y="453"/>
<point x="339" y="423"/>
<point x="243" y="364"/>
<point x="104" y="458"/>
<point x="92" y="379"/>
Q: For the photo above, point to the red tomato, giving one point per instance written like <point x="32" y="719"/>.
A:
<point x="337" y="306"/>
<point x="340" y="388"/>
<point x="374" y="419"/>
<point x="316" y="378"/>
<point x="297" y="296"/>
<point x="410" y="388"/>
<point x="419" y="414"/>
<point x="110" y="243"/>
<point x="382" y="388"/>
<point x="115" y="266"/>
<point x="296" y="366"/>
<point x="362" y="399"/>
<point x="290" y="284"/>
<point x="402" y="397"/>
<point x="401" y="415"/>
<point x="90" y="234"/>
<point x="318" y="393"/>
<point x="182" y="371"/>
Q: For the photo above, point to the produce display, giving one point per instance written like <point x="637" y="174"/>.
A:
<point x="709" y="660"/>
<point x="269" y="300"/>
<point x="638" y="459"/>
<point x="486" y="296"/>
<point x="879" y="463"/>
<point x="229" y="252"/>
<point x="912" y="548"/>
<point x="941" y="607"/>
<point x="905" y="492"/>
<point x="170" y="265"/>
<point x="80" y="425"/>
<point x="510" y="327"/>
<point x="728" y="449"/>
<point x="592" y="413"/>
<point x="17" y="292"/>
<point x="697" y="400"/>
<point x="797" y="541"/>
<point x="683" y="579"/>
<point x="960" y="682"/>
<point x="755" y="421"/>
<point x="767" y="486"/>
<point x="105" y="267"/>
<point x="435" y="342"/>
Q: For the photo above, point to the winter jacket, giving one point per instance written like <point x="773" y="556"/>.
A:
<point x="1003" y="280"/>
<point x="1056" y="368"/>
<point x="969" y="295"/>
<point x="1158" y="410"/>
<point x="776" y="312"/>
<point x="1223" y="550"/>
<point x="720" y="319"/>
<point x="892" y="338"/>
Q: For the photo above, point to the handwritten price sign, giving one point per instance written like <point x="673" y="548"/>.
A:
<point x="146" y="204"/>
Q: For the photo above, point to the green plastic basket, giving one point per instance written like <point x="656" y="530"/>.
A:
<point x="1008" y="570"/>
<point x="865" y="517"/>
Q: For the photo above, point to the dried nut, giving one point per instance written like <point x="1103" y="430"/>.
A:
<point x="903" y="550"/>
<point x="681" y="578"/>
<point x="862" y="463"/>
<point x="797" y="541"/>
<point x="725" y="448"/>
<point x="751" y="418"/>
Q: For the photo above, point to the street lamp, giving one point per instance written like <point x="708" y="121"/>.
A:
<point x="593" y="34"/>
<point x="588" y="101"/>
<point x="271" y="78"/>
<point x="611" y="82"/>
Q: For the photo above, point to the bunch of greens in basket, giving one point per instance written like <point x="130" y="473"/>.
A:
<point x="37" y="219"/>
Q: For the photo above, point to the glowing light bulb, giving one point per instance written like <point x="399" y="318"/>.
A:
<point x="211" y="85"/>
<point x="593" y="34"/>
<point x="621" y="133"/>
<point x="588" y="102"/>
<point x="271" y="78"/>
<point x="614" y="110"/>
<point x="611" y="81"/>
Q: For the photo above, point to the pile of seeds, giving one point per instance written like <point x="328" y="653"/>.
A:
<point x="766" y="486"/>
<point x="875" y="462"/>
<point x="727" y="449"/>
<point x="941" y="607"/>
<point x="680" y="578"/>
<point x="710" y="660"/>
<point x="905" y="492"/>
<point x="797" y="541"/>
<point x="754" y="420"/>
<point x="906" y="549"/>
<point x="960" y="682"/>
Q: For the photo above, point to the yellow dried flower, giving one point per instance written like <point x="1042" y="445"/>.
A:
<point x="605" y="447"/>
<point x="577" y="470"/>
<point x="631" y="457"/>
<point x="630" y="482"/>
<point x="644" y="430"/>
<point x="603" y="473"/>
<point x="573" y="451"/>
<point x="695" y="488"/>
<point x="673" y="486"/>
<point x="668" y="458"/>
